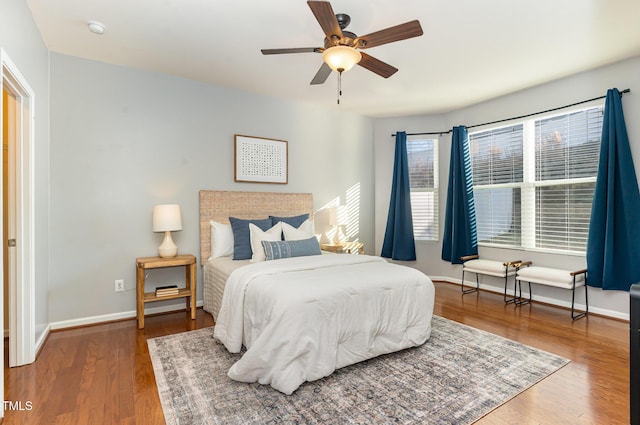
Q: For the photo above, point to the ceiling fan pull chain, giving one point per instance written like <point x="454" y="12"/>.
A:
<point x="339" y="85"/>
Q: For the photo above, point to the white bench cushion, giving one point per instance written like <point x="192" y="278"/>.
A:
<point x="548" y="276"/>
<point x="488" y="267"/>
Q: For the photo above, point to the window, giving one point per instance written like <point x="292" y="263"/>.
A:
<point x="497" y="167"/>
<point x="534" y="181"/>
<point x="423" y="178"/>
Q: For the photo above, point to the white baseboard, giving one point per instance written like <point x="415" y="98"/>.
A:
<point x="42" y="339"/>
<point x="92" y="320"/>
<point x="552" y="301"/>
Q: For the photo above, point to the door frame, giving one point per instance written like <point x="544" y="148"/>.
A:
<point x="22" y="289"/>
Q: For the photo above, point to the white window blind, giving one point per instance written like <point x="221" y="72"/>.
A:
<point x="534" y="181"/>
<point x="497" y="167"/>
<point x="422" y="155"/>
<point x="567" y="151"/>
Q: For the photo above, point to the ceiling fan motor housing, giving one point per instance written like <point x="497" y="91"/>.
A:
<point x="348" y="39"/>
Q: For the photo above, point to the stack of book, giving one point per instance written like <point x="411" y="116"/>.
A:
<point x="163" y="291"/>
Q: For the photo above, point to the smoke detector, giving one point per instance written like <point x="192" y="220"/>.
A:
<point x="96" y="27"/>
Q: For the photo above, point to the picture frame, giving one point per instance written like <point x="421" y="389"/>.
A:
<point x="260" y="160"/>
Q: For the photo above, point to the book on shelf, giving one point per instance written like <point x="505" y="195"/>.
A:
<point x="167" y="293"/>
<point x="167" y="290"/>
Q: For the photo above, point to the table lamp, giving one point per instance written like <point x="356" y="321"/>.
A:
<point x="338" y="217"/>
<point x="167" y="218"/>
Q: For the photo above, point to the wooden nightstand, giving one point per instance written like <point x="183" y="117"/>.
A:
<point x="188" y="292"/>
<point x="344" y="248"/>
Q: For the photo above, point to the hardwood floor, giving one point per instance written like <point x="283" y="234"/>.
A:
<point x="103" y="375"/>
<point x="95" y="375"/>
<point x="592" y="389"/>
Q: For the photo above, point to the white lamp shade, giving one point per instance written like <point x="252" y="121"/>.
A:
<point x="341" y="58"/>
<point x="338" y="216"/>
<point x="167" y="218"/>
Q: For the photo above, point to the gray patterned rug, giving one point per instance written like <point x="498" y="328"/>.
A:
<point x="459" y="375"/>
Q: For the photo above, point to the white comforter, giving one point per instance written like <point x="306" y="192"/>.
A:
<point x="302" y="318"/>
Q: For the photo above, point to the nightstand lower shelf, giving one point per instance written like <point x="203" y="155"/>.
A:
<point x="151" y="296"/>
<point x="188" y="292"/>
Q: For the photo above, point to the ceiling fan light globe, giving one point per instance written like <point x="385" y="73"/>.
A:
<point x="341" y="58"/>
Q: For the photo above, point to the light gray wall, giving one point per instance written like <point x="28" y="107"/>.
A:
<point x="576" y="88"/>
<point x="21" y="41"/>
<point x="123" y="140"/>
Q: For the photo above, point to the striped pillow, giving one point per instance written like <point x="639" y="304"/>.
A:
<point x="275" y="250"/>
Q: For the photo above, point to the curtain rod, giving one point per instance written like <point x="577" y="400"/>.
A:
<point x="515" y="118"/>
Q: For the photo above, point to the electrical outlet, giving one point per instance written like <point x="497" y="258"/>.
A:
<point x="119" y="285"/>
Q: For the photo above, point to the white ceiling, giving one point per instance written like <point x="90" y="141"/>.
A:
<point x="471" y="50"/>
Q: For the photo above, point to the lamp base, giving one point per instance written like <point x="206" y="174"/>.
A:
<point x="338" y="236"/>
<point x="168" y="248"/>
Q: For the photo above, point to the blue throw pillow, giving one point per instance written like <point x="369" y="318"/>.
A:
<point x="275" y="250"/>
<point x="294" y="221"/>
<point x="241" y="236"/>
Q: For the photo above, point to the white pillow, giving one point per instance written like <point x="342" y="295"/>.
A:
<point x="305" y="231"/>
<point x="221" y="239"/>
<point x="257" y="235"/>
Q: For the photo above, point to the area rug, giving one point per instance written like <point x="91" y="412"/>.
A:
<point x="459" y="375"/>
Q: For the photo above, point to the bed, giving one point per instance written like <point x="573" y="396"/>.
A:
<point x="299" y="319"/>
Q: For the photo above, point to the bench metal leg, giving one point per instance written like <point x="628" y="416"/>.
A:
<point x="468" y="291"/>
<point x="586" y="301"/>
<point x="519" y="301"/>
<point x="506" y="281"/>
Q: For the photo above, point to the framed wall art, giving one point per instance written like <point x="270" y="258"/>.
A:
<point x="260" y="160"/>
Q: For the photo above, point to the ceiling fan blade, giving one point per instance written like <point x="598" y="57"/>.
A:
<point x="294" y="50"/>
<point x="323" y="12"/>
<point x="388" y="35"/>
<point x="322" y="74"/>
<point x="377" y="66"/>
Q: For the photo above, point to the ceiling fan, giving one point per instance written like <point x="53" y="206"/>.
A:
<point x="341" y="49"/>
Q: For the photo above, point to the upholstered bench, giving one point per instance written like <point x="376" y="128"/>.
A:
<point x="474" y="264"/>
<point x="559" y="278"/>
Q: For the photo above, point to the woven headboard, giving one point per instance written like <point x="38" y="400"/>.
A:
<point x="219" y="205"/>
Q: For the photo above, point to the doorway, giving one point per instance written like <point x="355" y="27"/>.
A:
<point x="8" y="204"/>
<point x="17" y="126"/>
